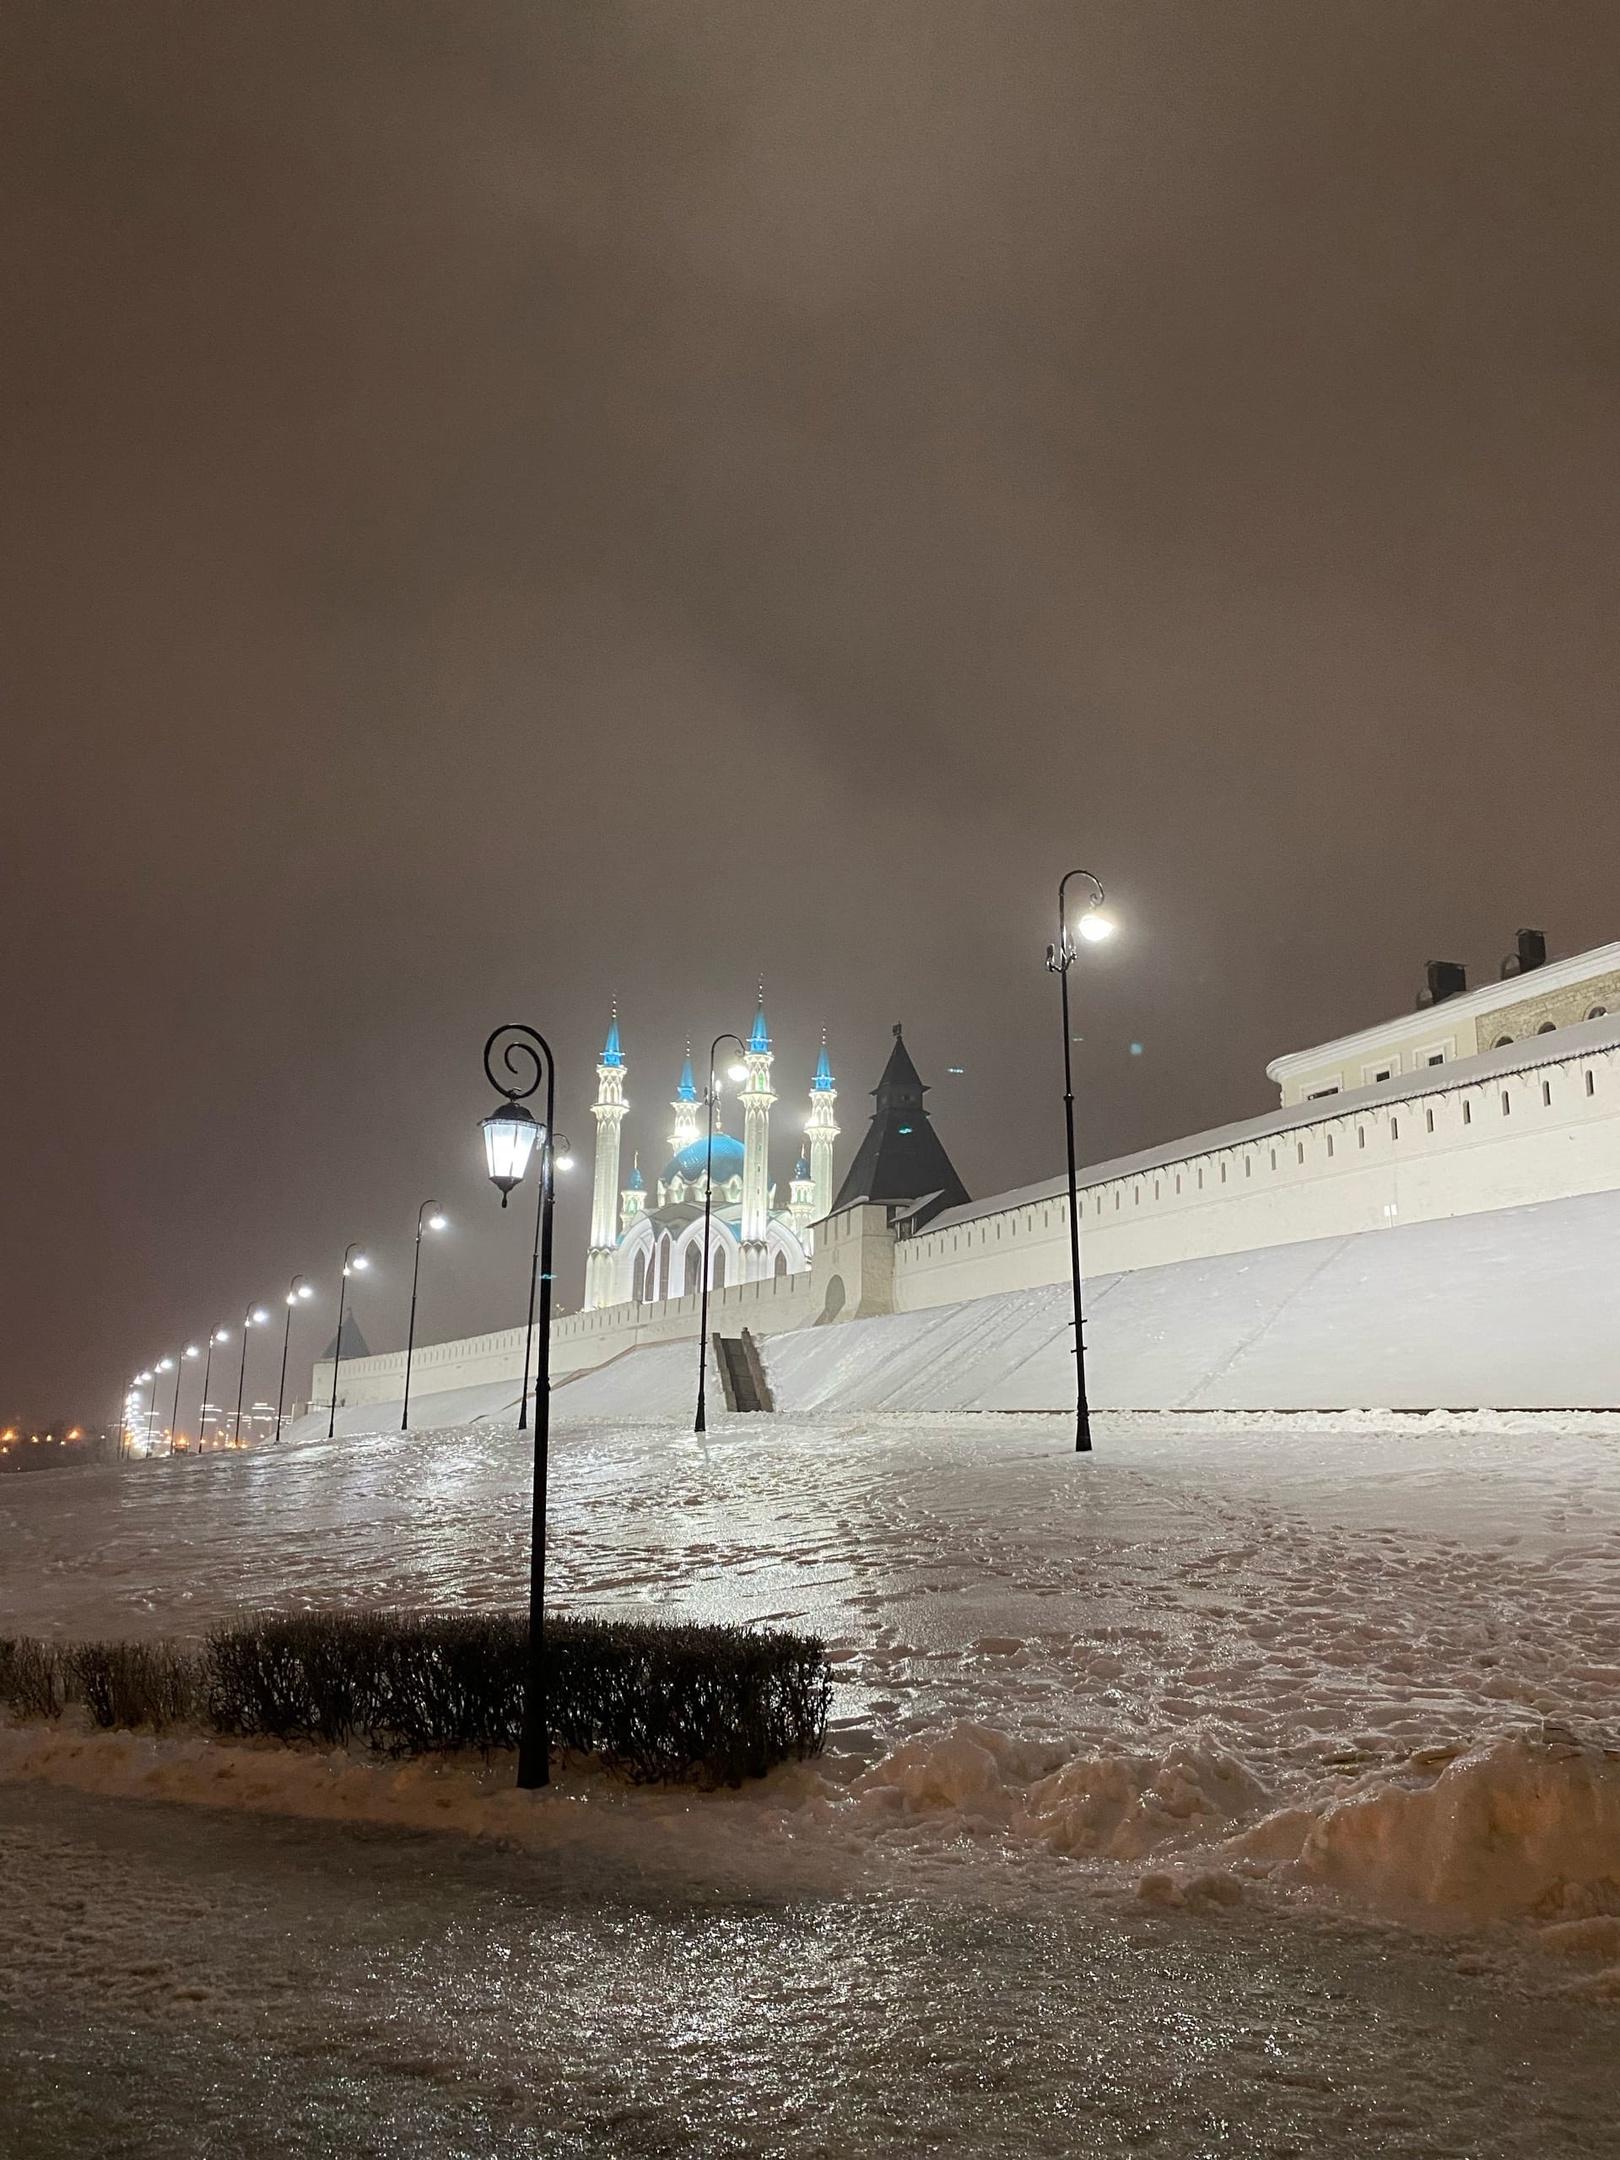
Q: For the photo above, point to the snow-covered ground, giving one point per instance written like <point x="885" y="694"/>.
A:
<point x="1244" y="1681"/>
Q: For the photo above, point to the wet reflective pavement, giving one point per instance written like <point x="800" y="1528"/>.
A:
<point x="183" y="1983"/>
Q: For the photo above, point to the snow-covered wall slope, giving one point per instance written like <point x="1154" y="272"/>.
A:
<point x="1515" y="1309"/>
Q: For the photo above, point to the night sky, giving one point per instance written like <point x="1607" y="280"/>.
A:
<point x="510" y="503"/>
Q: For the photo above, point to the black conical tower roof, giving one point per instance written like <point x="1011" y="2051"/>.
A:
<point x="354" y="1343"/>
<point x="901" y="1158"/>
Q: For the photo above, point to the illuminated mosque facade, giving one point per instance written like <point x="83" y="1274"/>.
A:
<point x="648" y="1246"/>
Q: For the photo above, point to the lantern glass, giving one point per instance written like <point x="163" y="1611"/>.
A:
<point x="510" y="1138"/>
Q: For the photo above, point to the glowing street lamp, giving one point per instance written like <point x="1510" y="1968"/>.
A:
<point x="736" y="1072"/>
<point x="511" y="1136"/>
<point x="429" y="1216"/>
<point x="299" y="1292"/>
<point x="190" y="1351"/>
<point x="354" y="1263"/>
<point x="215" y="1335"/>
<point x="255" y="1316"/>
<point x="159" y="1365"/>
<point x="1094" y="927"/>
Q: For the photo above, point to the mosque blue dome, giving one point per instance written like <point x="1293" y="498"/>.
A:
<point x="688" y="1164"/>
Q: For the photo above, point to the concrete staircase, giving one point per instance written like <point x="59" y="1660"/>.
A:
<point x="742" y="1372"/>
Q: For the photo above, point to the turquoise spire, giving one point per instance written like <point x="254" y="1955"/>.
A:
<point x="823" y="1075"/>
<point x="760" y="1035"/>
<point x="637" y="1182"/>
<point x="612" y="1054"/>
<point x="687" y="1091"/>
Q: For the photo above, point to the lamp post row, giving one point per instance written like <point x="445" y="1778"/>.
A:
<point x="518" y="1061"/>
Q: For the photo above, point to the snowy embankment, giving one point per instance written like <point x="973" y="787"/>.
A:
<point x="1347" y="1656"/>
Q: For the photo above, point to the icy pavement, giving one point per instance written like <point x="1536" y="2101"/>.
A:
<point x="1322" y="1647"/>
<point x="180" y="1984"/>
<point x="1138" y="1762"/>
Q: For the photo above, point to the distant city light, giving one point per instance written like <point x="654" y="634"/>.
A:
<point x="1136" y="1049"/>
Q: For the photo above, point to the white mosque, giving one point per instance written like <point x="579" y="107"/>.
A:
<point x="642" y="1253"/>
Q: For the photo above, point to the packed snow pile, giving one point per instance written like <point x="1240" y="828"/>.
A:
<point x="1522" y="1826"/>
<point x="1359" y="1657"/>
<point x="1514" y="1827"/>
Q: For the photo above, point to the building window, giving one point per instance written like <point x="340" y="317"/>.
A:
<point x="1375" y="1075"/>
<point x="692" y="1270"/>
<point x="781" y="1263"/>
<point x="638" y="1280"/>
<point x="1432" y="1057"/>
<point x="719" y="1267"/>
<point x="1502" y="1042"/>
<point x="1321" y="1094"/>
<point x="1546" y="1027"/>
<point x="1598" y="1012"/>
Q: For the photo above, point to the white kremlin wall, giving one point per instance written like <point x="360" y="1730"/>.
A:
<point x="1507" y="1133"/>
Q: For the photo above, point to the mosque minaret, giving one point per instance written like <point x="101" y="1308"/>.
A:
<point x="646" y="1247"/>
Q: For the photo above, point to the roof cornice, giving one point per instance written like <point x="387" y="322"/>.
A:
<point x="1428" y="1020"/>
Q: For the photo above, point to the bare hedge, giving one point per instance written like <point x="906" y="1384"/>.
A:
<point x="654" y="1702"/>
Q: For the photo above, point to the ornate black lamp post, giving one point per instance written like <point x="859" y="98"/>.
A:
<point x="298" y="1292"/>
<point x="354" y="1262"/>
<point x="215" y="1335"/>
<point x="511" y="1136"/>
<point x="737" y="1072"/>
<point x="1094" y="926"/>
<point x="428" y="1217"/>
<point x="255" y="1316"/>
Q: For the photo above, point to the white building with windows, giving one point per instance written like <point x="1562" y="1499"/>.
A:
<point x="1534" y="996"/>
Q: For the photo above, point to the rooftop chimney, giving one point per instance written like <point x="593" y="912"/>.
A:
<point x="1532" y="953"/>
<point x="1447" y="978"/>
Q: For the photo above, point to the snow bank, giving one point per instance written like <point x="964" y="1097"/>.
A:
<point x="1517" y="1827"/>
<point x="1508" y="1308"/>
